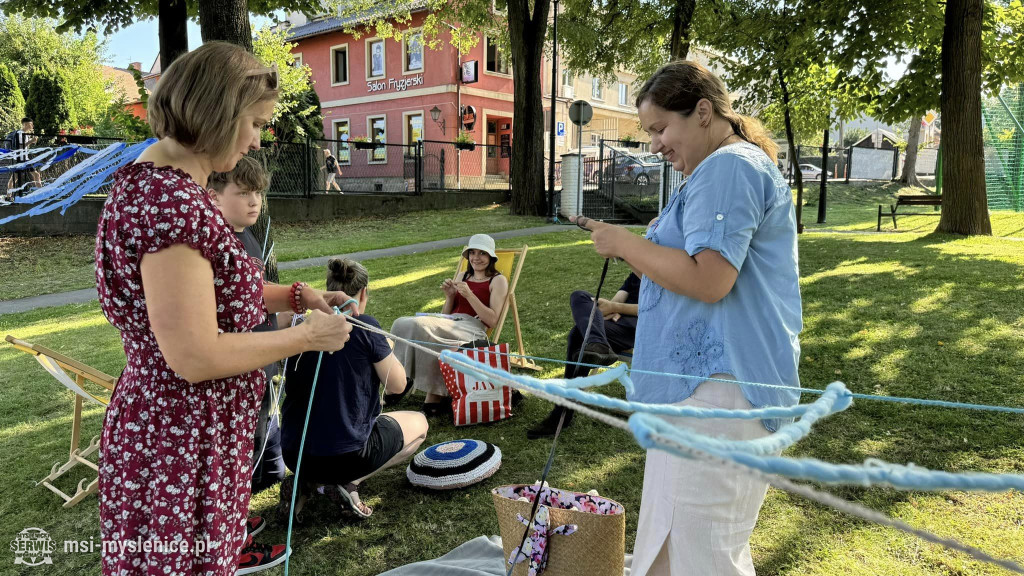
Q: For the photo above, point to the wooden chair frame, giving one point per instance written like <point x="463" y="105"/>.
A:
<point x="77" y="455"/>
<point x="515" y="268"/>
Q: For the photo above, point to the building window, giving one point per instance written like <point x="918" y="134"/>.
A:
<point x="413" y="61"/>
<point x="497" y="61"/>
<point x="374" y="58"/>
<point x="297" y="62"/>
<point x="377" y="126"/>
<point x="623" y="94"/>
<point x="568" y="83"/>
<point x="595" y="89"/>
<point x="339" y="65"/>
<point x="413" y="128"/>
<point x="341" y="134"/>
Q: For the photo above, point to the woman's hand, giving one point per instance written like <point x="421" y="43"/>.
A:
<point x="313" y="299"/>
<point x="326" y="332"/>
<point x="608" y="239"/>
<point x="449" y="288"/>
<point x="463" y="289"/>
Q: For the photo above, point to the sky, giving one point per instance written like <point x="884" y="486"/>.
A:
<point x="140" y="42"/>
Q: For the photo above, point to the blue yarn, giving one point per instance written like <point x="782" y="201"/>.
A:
<point x="854" y="395"/>
<point x="555" y="387"/>
<point x="752" y="453"/>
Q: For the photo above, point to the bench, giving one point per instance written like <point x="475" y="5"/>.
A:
<point x="916" y="200"/>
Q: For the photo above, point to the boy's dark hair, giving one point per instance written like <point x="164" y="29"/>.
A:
<point x="26" y="119"/>
<point x="248" y="175"/>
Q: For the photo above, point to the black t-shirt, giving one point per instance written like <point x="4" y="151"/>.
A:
<point x="332" y="165"/>
<point x="632" y="286"/>
<point x="347" y="393"/>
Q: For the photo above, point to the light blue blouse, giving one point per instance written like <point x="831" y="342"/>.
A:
<point x="738" y="204"/>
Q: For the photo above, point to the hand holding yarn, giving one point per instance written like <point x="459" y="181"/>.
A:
<point x="339" y="299"/>
<point x="449" y="288"/>
<point x="326" y="332"/>
<point x="463" y="289"/>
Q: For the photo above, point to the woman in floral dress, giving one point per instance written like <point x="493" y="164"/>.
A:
<point x="176" y="448"/>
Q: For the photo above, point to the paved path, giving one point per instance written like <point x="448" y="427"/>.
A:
<point x="89" y="294"/>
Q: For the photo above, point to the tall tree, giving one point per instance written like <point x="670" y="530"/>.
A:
<point x="909" y="175"/>
<point x="48" y="102"/>
<point x="225" y="20"/>
<point x="965" y="206"/>
<point x="12" y="102"/>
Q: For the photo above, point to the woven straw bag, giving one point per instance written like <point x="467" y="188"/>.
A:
<point x="598" y="546"/>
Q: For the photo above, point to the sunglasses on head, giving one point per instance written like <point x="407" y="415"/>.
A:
<point x="271" y="71"/>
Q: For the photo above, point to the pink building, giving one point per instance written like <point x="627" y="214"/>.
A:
<point x="401" y="92"/>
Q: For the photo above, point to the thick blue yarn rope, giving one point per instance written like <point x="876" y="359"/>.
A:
<point x="854" y="395"/>
<point x="296" y="487"/>
<point x="649" y="430"/>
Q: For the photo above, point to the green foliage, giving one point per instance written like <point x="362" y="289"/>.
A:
<point x="12" y="103"/>
<point x="297" y="113"/>
<point x="464" y="137"/>
<point x="853" y="135"/>
<point x="28" y="44"/>
<point x="121" y="123"/>
<point x="49" y="103"/>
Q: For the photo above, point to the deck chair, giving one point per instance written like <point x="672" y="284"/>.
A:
<point x="506" y="260"/>
<point x="59" y="366"/>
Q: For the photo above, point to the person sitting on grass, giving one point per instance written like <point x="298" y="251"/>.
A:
<point x="613" y="331"/>
<point x="239" y="196"/>
<point x="348" y="439"/>
<point x="472" y="305"/>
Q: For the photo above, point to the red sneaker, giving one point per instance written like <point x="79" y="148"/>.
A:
<point x="254" y="525"/>
<point x="258" y="557"/>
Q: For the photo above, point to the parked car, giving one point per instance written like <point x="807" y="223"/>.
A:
<point x="810" y="172"/>
<point x="639" y="169"/>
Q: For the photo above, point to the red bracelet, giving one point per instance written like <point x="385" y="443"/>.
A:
<point x="295" y="297"/>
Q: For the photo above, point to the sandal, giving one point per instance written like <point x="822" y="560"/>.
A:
<point x="435" y="409"/>
<point x="341" y="496"/>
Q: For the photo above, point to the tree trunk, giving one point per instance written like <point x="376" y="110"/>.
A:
<point x="964" y="203"/>
<point x="172" y="21"/>
<point x="794" y="162"/>
<point x="824" y="180"/>
<point x="841" y="157"/>
<point x="909" y="176"/>
<point x="225" y="20"/>
<point x="527" y="32"/>
<point x="682" y="15"/>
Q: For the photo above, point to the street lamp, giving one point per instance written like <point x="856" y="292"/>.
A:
<point x="435" y="115"/>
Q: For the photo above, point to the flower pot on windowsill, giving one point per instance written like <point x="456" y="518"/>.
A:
<point x="629" y="144"/>
<point x="466" y="145"/>
<point x="365" y="145"/>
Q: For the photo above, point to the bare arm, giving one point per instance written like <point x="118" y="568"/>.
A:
<point x="487" y="314"/>
<point x="182" y="307"/>
<point x="392" y="374"/>
<point x="707" y="277"/>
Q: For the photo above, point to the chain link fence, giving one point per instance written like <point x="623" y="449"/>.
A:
<point x="1002" y="116"/>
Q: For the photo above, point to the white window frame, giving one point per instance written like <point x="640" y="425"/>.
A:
<point x="348" y="66"/>
<point x="423" y="53"/>
<point x="596" y="87"/>
<point x="369" y="134"/>
<point x="498" y="53"/>
<point x="405" y="124"/>
<point x="568" y="90"/>
<point x="334" y="136"/>
<point x="623" y="101"/>
<point x="369" y="58"/>
<point x="297" y="63"/>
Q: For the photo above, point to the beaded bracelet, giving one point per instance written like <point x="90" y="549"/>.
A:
<point x="295" y="297"/>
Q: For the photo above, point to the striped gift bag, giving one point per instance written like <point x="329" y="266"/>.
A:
<point x="477" y="401"/>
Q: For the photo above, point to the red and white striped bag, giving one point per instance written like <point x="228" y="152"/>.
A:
<point x="477" y="401"/>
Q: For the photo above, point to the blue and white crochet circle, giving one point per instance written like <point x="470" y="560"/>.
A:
<point x="453" y="453"/>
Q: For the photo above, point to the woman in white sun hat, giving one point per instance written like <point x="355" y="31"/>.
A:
<point x="472" y="303"/>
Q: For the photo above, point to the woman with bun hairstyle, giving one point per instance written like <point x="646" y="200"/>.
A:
<point x="472" y="304"/>
<point x="348" y="439"/>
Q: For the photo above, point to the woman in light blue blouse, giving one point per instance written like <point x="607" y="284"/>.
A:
<point x="719" y="298"/>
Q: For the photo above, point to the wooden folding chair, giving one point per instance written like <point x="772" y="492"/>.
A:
<point x="506" y="260"/>
<point x="59" y="366"/>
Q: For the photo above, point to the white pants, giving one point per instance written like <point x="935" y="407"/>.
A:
<point x="696" y="518"/>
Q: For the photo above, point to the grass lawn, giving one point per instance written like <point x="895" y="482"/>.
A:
<point x="44" y="265"/>
<point x="896" y="314"/>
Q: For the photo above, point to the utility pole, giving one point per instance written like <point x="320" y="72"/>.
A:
<point x="551" y="135"/>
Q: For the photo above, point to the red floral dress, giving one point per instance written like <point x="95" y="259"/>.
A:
<point x="176" y="458"/>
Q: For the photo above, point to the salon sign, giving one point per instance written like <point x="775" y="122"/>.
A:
<point x="395" y="85"/>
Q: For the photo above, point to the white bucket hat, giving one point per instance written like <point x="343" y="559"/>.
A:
<point x="481" y="242"/>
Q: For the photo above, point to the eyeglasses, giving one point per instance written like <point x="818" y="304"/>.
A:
<point x="272" y="71"/>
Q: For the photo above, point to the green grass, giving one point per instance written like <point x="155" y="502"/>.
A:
<point x="897" y="314"/>
<point x="853" y="207"/>
<point x="45" y="265"/>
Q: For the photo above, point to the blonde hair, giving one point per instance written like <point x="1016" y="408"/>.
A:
<point x="200" y="98"/>
<point x="248" y="175"/>
<point x="678" y="86"/>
